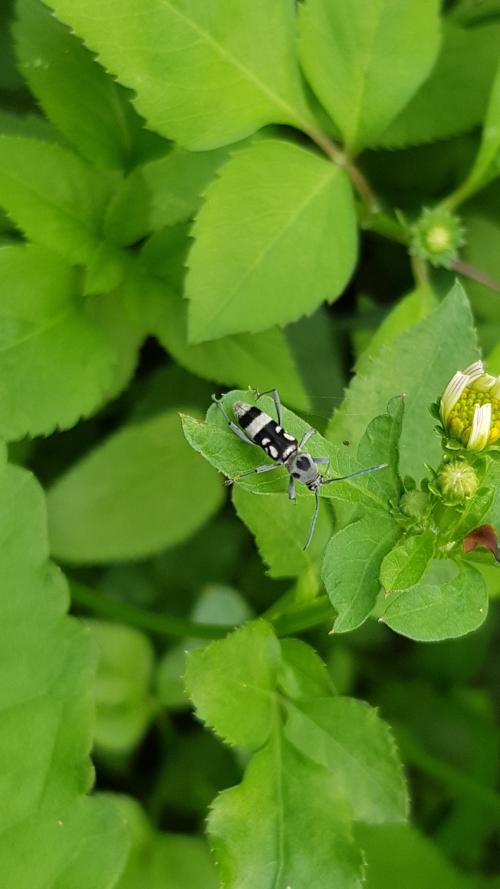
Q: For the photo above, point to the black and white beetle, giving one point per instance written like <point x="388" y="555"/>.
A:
<point x="258" y="428"/>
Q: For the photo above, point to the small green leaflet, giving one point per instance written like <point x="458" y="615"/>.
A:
<point x="366" y="58"/>
<point x="220" y="71"/>
<point x="159" y="193"/>
<point x="86" y="105"/>
<point x="351" y="566"/>
<point x="51" y="832"/>
<point x="404" y="565"/>
<point x="57" y="361"/>
<point x="135" y="494"/>
<point x="449" y="601"/>
<point x="276" y="236"/>
<point x="54" y="196"/>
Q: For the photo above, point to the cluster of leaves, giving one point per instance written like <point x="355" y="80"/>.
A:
<point x="180" y="195"/>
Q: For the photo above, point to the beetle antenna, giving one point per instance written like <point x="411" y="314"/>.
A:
<point x="342" y="478"/>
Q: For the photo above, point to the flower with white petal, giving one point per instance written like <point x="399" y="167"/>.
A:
<point x="470" y="407"/>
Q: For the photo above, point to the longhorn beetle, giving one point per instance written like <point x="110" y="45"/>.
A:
<point x="259" y="429"/>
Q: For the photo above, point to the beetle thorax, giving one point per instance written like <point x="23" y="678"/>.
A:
<point x="302" y="467"/>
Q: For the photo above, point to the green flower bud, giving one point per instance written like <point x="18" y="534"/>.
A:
<point x="414" y="504"/>
<point x="470" y="407"/>
<point x="457" y="481"/>
<point x="437" y="237"/>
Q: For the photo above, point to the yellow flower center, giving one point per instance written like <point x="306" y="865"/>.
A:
<point x="460" y="419"/>
<point x="438" y="238"/>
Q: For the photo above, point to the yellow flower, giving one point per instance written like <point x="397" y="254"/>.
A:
<point x="470" y="407"/>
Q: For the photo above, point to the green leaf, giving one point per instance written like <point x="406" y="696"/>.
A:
<point x="365" y="60"/>
<point x="84" y="103"/>
<point x="264" y="359"/>
<point x="162" y="860"/>
<point x="51" y="833"/>
<point x="351" y="567"/>
<point x="54" y="196"/>
<point x="138" y="492"/>
<point x="399" y="856"/>
<point x="419" y="364"/>
<point x="56" y="361"/>
<point x="161" y="192"/>
<point x="380" y="444"/>
<point x="486" y="165"/>
<point x="124" y="703"/>
<point x="357" y="749"/>
<point x="284" y="826"/>
<point x="218" y="74"/>
<point x="293" y="247"/>
<point x="404" y="565"/>
<point x="409" y="310"/>
<point x="231" y="684"/>
<point x="434" y="113"/>
<point x="31" y="126"/>
<point x="229" y="454"/>
<point x="449" y="601"/>
<point x="281" y="527"/>
<point x="302" y="674"/>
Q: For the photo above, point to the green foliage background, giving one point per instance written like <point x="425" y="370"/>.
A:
<point x="212" y="195"/>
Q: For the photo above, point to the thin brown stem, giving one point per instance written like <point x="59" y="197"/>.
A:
<point x="341" y="159"/>
<point x="470" y="271"/>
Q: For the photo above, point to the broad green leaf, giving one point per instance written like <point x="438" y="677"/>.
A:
<point x="351" y="567"/>
<point x="366" y="58"/>
<point x="138" y="492"/>
<point x="160" y="192"/>
<point x="162" y="860"/>
<point x="293" y="245"/>
<point x="449" y="601"/>
<point x="284" y="826"/>
<point x="205" y="74"/>
<point x="53" y="195"/>
<point x="404" y="565"/>
<point x="400" y="857"/>
<point x="486" y="165"/>
<point x="281" y="528"/>
<point x="51" y="833"/>
<point x="84" y="103"/>
<point x="419" y="364"/>
<point x="230" y="455"/>
<point x="123" y="698"/>
<point x="351" y="742"/>
<point x="380" y="444"/>
<point x="434" y="112"/>
<point x="411" y="309"/>
<point x="231" y="684"/>
<point x="56" y="361"/>
<point x="302" y="674"/>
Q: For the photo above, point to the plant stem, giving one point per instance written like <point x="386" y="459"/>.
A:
<point x="470" y="271"/>
<point x="169" y="626"/>
<point x="164" y="625"/>
<point x="341" y="159"/>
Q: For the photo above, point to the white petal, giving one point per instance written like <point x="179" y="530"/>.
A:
<point x="452" y="393"/>
<point x="481" y="425"/>
<point x="475" y="370"/>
